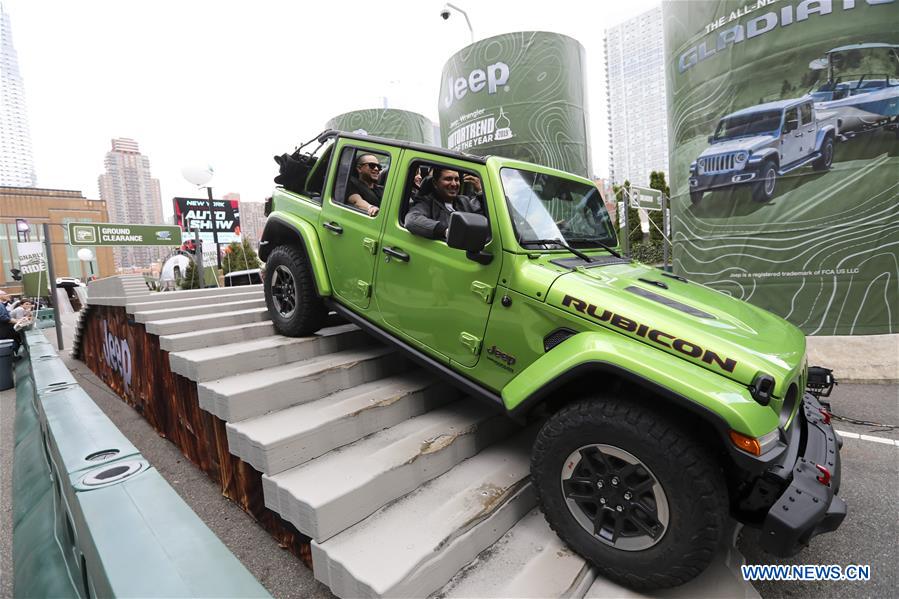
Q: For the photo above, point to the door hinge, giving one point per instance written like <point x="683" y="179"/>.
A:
<point x="471" y="342"/>
<point x="370" y="244"/>
<point x="483" y="290"/>
<point x="364" y="288"/>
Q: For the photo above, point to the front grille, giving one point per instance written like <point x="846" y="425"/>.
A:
<point x="721" y="163"/>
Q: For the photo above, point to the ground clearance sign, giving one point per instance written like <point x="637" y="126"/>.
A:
<point x="520" y="95"/>
<point x="116" y="234"/>
<point x="784" y="135"/>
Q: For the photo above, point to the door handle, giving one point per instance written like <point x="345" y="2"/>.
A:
<point x="399" y="255"/>
<point x="333" y="227"/>
<point x="799" y="135"/>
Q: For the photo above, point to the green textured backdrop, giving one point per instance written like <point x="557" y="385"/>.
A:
<point x="823" y="252"/>
<point x="519" y="95"/>
<point x="386" y="122"/>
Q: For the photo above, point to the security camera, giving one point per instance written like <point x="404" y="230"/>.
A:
<point x="445" y="13"/>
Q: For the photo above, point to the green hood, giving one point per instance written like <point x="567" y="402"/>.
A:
<point x="713" y="330"/>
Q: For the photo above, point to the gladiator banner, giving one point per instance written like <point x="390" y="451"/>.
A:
<point x="784" y="135"/>
<point x="519" y="95"/>
<point x="386" y="122"/>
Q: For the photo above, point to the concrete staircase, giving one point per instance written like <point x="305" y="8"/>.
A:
<point x="406" y="487"/>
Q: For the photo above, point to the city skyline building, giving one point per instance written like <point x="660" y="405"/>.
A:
<point x="636" y="98"/>
<point x="16" y="159"/>
<point x="132" y="196"/>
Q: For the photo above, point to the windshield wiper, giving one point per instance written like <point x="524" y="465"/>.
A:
<point x="559" y="243"/>
<point x="600" y="244"/>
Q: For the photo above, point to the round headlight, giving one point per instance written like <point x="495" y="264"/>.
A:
<point x="742" y="156"/>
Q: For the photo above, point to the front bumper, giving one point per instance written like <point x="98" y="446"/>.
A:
<point x="719" y="180"/>
<point x="806" y="507"/>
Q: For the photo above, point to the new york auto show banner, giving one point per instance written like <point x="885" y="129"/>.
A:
<point x="519" y="95"/>
<point x="783" y="119"/>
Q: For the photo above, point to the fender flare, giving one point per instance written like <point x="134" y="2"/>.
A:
<point x="823" y="133"/>
<point x="765" y="154"/>
<point x="281" y="228"/>
<point x="721" y="402"/>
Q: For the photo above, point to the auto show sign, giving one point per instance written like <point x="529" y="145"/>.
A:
<point x="217" y="220"/>
<point x="116" y="234"/>
<point x="33" y="264"/>
<point x="784" y="149"/>
<point x="520" y="95"/>
<point x="386" y="122"/>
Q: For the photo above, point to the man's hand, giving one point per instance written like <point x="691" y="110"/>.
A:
<point x="372" y="210"/>
<point x="475" y="182"/>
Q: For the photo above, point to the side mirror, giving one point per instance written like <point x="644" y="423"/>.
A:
<point x="711" y="139"/>
<point x="469" y="231"/>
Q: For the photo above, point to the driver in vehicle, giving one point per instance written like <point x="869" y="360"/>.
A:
<point x="429" y="216"/>
<point x="363" y="191"/>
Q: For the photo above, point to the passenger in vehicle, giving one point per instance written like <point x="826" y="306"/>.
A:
<point x="363" y="191"/>
<point x="429" y="216"/>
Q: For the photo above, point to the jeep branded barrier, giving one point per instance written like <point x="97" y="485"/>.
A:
<point x="91" y="517"/>
<point x="784" y="128"/>
<point x="520" y="95"/>
<point x="386" y="122"/>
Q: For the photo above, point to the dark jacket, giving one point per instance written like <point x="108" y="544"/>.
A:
<point x="428" y="216"/>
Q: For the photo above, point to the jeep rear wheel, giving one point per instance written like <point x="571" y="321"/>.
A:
<point x="826" y="160"/>
<point x="763" y="191"/>
<point x="295" y="308"/>
<point x="630" y="491"/>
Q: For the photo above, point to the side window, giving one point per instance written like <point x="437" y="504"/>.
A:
<point x="432" y="192"/>
<point x="806" y="111"/>
<point x="791" y="121"/>
<point x="361" y="177"/>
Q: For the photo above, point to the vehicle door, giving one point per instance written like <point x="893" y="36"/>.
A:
<point x="429" y="294"/>
<point x="349" y="233"/>
<point x="808" y="126"/>
<point x="791" y="137"/>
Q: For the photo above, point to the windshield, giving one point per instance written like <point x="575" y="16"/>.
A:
<point x="547" y="207"/>
<point x="748" y="124"/>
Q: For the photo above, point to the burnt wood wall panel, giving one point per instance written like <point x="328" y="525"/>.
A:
<point x="169" y="403"/>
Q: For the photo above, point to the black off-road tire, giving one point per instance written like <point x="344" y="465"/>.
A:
<point x="763" y="190"/>
<point x="295" y="307"/>
<point x="690" y="478"/>
<point x="696" y="197"/>
<point x="826" y="160"/>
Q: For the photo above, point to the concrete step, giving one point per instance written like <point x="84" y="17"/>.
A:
<point x="331" y="493"/>
<point x="164" y="300"/>
<point x="275" y="442"/>
<point x="246" y="395"/>
<point x="185" y="324"/>
<point x="209" y="363"/>
<point x="219" y="336"/>
<point x="529" y="561"/>
<point x="415" y="545"/>
<point x="206" y="308"/>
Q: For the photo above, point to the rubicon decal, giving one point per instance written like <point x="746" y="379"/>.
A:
<point x="688" y="348"/>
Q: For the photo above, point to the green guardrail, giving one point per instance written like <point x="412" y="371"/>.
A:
<point x="91" y="517"/>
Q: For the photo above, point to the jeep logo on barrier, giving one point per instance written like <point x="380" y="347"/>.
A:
<point x="117" y="355"/>
<point x="495" y="75"/>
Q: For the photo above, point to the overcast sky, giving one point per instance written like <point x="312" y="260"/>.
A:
<point x="233" y="83"/>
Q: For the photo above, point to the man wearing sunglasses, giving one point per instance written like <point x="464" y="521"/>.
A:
<point x="429" y="216"/>
<point x="363" y="190"/>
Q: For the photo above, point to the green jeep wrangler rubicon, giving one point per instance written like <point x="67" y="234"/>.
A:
<point x="665" y="406"/>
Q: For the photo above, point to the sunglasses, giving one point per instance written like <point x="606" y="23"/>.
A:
<point x="372" y="165"/>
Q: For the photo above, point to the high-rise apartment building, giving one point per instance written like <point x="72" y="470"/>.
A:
<point x="636" y="103"/>
<point x="132" y="196"/>
<point x="16" y="162"/>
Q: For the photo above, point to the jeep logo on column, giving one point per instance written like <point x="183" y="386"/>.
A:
<point x="117" y="355"/>
<point x="495" y="75"/>
<point x="519" y="95"/>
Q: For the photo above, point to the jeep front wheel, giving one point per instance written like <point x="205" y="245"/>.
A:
<point x="763" y="191"/>
<point x="295" y="308"/>
<point x="630" y="491"/>
<point x="826" y="160"/>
